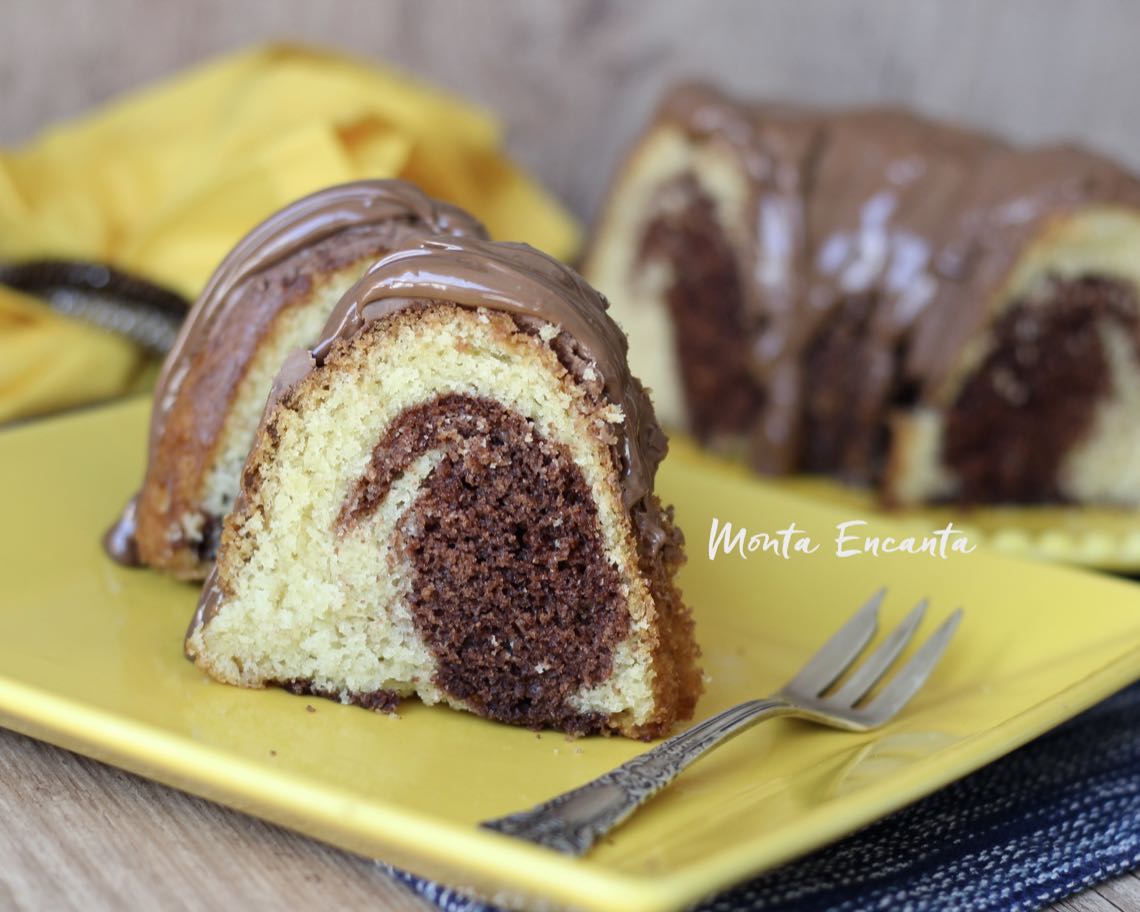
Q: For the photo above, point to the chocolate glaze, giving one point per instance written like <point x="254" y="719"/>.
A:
<point x="119" y="541"/>
<point x="397" y="207"/>
<point x="928" y="217"/>
<point x="299" y="225"/>
<point x="521" y="281"/>
<point x="514" y="279"/>
<point x="209" y="601"/>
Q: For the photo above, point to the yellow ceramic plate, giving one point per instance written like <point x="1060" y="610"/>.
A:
<point x="1098" y="537"/>
<point x="90" y="658"/>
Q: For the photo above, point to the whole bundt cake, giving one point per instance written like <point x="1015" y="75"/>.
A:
<point x="271" y="294"/>
<point x="882" y="298"/>
<point x="451" y="496"/>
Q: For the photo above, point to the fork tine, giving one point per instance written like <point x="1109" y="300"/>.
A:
<point x="833" y="658"/>
<point x="914" y="673"/>
<point x="867" y="675"/>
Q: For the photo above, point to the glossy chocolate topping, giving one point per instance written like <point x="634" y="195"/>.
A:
<point x="119" y="541"/>
<point x="519" y="280"/>
<point x="396" y="208"/>
<point x="928" y="218"/>
<point x="294" y="228"/>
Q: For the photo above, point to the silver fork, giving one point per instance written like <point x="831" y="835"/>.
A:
<point x="573" y="821"/>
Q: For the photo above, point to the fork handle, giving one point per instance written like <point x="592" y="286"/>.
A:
<point x="572" y="822"/>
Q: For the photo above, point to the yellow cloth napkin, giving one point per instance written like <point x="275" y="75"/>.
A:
<point x="163" y="182"/>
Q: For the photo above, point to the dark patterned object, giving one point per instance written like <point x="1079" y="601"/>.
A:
<point x="1055" y="817"/>
<point x="103" y="296"/>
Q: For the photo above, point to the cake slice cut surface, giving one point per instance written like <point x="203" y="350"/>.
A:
<point x="451" y="497"/>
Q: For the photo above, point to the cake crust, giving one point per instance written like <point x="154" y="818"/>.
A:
<point x="272" y="293"/>
<point x="493" y="498"/>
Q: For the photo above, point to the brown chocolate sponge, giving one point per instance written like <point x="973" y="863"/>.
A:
<point x="882" y="298"/>
<point x="272" y="294"/>
<point x="451" y="497"/>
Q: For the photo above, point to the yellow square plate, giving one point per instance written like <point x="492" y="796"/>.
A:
<point x="90" y="658"/>
<point x="1104" y="538"/>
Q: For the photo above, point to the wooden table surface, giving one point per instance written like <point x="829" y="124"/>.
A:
<point x="75" y="834"/>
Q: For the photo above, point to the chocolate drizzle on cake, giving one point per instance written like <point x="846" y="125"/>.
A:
<point x="295" y="229"/>
<point x="322" y="232"/>
<point x="119" y="541"/>
<point x="518" y="280"/>
<point x="921" y="220"/>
